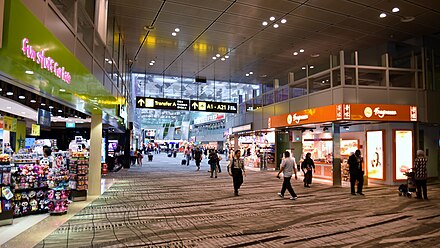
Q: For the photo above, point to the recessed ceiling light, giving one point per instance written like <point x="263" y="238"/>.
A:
<point x="106" y="59"/>
<point x="42" y="104"/>
<point x="407" y="19"/>
<point x="223" y="59"/>
<point x="311" y="67"/>
<point x="151" y="63"/>
<point x="81" y="101"/>
<point x="1" y="89"/>
<point x="21" y="97"/>
<point x="251" y="72"/>
<point x="23" y="113"/>
<point x="301" y="50"/>
<point x="173" y="33"/>
<point x="110" y="62"/>
<point x="315" y="55"/>
<point x="303" y="67"/>
<point x="395" y="10"/>
<point x="226" y="57"/>
<point x="33" y="101"/>
<point x="383" y="15"/>
<point x="51" y="107"/>
<point x="214" y="57"/>
<point x="295" y="53"/>
<point x="177" y="30"/>
<point x="247" y="74"/>
<point x="95" y="108"/>
<point x="283" y="20"/>
<point x="217" y="55"/>
<point x="62" y="90"/>
<point x="9" y="93"/>
<point x="265" y="23"/>
<point x="29" y="72"/>
<point x="276" y="25"/>
<point x="272" y="18"/>
<point x="59" y="111"/>
<point x="8" y="107"/>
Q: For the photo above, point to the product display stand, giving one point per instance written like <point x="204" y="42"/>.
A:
<point x="6" y="195"/>
<point x="29" y="181"/>
<point x="58" y="182"/>
<point x="79" y="170"/>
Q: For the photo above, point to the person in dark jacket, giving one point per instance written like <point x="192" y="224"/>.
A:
<point x="356" y="172"/>
<point x="421" y="174"/>
<point x="198" y="157"/>
<point x="212" y="161"/>
<point x="307" y="166"/>
<point x="236" y="170"/>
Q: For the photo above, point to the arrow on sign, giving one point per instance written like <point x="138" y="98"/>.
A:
<point x="141" y="102"/>
<point x="195" y="105"/>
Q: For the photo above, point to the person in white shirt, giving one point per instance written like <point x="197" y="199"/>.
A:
<point x="236" y="170"/>
<point x="288" y="167"/>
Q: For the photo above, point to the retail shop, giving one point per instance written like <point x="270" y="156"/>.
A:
<point x="48" y="102"/>
<point x="257" y="147"/>
<point x="385" y="134"/>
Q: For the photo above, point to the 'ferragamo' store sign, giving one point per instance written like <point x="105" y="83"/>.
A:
<point x="358" y="112"/>
<point x="46" y="63"/>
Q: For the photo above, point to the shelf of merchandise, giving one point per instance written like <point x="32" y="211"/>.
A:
<point x="29" y="184"/>
<point x="58" y="182"/>
<point x="6" y="195"/>
<point x="79" y="170"/>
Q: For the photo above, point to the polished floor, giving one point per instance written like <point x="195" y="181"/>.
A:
<point x="165" y="204"/>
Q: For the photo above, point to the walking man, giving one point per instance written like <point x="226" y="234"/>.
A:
<point x="288" y="167"/>
<point x="356" y="172"/>
<point x="307" y="166"/>
<point x="198" y="157"/>
<point x="236" y="171"/>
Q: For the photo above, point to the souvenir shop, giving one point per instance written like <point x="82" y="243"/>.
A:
<point x="385" y="135"/>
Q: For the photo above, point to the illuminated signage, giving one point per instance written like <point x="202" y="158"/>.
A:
<point x="150" y="132"/>
<point x="46" y="63"/>
<point x="222" y="107"/>
<point x="162" y="103"/>
<point x="296" y="118"/>
<point x="209" y="118"/>
<point x="243" y="128"/>
<point x="43" y="118"/>
<point x="404" y="152"/>
<point x="368" y="112"/>
<point x="70" y="124"/>
<point x="35" y="130"/>
<point x="375" y="154"/>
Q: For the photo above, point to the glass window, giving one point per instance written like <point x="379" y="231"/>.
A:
<point x="300" y="74"/>
<point x="85" y="29"/>
<point x="336" y="74"/>
<point x="298" y="89"/>
<point x="349" y="58"/>
<point x="88" y="6"/>
<point x="373" y="56"/>
<point x="372" y="77"/>
<point x="350" y="76"/>
<point x="319" y="83"/>
<point x="402" y="79"/>
<point x="268" y="98"/>
<point x="67" y="9"/>
<point x="282" y="94"/>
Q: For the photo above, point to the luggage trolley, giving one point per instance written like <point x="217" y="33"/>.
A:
<point x="410" y="187"/>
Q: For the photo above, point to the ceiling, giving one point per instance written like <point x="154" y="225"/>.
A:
<point x="234" y="28"/>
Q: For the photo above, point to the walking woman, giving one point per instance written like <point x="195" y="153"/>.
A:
<point x="288" y="167"/>
<point x="307" y="166"/>
<point x="421" y="174"/>
<point x="236" y="170"/>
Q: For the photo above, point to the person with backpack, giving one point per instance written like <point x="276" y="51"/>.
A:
<point x="213" y="161"/>
<point x="198" y="157"/>
<point x="236" y="171"/>
<point x="307" y="166"/>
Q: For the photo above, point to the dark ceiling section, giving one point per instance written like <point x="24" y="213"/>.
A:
<point x="211" y="27"/>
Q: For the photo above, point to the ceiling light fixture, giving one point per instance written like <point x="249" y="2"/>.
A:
<point x="303" y="67"/>
<point x="33" y="101"/>
<point x="276" y="25"/>
<point x="177" y="30"/>
<point x="383" y="15"/>
<point x="301" y="50"/>
<point x="295" y="53"/>
<point x="395" y="10"/>
<point x="173" y="33"/>
<point x="23" y="113"/>
<point x="223" y="59"/>
<point x="214" y="57"/>
<point x="21" y="97"/>
<point x="110" y="62"/>
<point x="42" y="104"/>
<point x="62" y="90"/>
<point x="283" y="20"/>
<point x="265" y="23"/>
<point x="226" y="56"/>
<point x="247" y="74"/>
<point x="9" y="93"/>
<point x="29" y="72"/>
<point x="217" y="55"/>
<point x="8" y="107"/>
<point x="311" y="67"/>
<point x="51" y="107"/>
<point x="151" y="63"/>
<point x="272" y="18"/>
<point x="95" y="108"/>
<point x="251" y="72"/>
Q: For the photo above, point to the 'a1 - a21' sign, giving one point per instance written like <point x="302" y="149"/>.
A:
<point x="46" y="63"/>
<point x="206" y="106"/>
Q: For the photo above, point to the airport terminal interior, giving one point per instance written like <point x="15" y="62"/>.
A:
<point x="219" y="123"/>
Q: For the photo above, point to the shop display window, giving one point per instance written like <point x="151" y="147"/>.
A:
<point x="403" y="141"/>
<point x="375" y="154"/>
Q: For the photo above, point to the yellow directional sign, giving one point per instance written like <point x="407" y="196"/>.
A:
<point x="220" y="107"/>
<point x="162" y="103"/>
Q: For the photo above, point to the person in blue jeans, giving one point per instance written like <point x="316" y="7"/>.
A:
<point x="288" y="168"/>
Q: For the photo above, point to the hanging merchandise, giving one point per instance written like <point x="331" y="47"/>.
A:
<point x="79" y="170"/>
<point x="58" y="182"/>
<point x="6" y="194"/>
<point x="29" y="181"/>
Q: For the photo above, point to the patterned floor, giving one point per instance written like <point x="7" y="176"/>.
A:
<point x="165" y="204"/>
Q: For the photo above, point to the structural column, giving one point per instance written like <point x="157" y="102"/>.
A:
<point x="95" y="155"/>
<point x="336" y="154"/>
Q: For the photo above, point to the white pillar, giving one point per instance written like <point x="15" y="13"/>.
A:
<point x="95" y="155"/>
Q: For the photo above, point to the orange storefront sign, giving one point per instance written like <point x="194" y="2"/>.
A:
<point x="358" y="112"/>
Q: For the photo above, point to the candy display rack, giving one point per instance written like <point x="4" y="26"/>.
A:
<point x="6" y="195"/>
<point x="79" y="170"/>
<point x="58" y="182"/>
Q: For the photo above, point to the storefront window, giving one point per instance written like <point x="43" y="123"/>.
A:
<point x="349" y="58"/>
<point x="372" y="77"/>
<point x="298" y="89"/>
<point x="268" y="98"/>
<point x="402" y="79"/>
<point x="319" y="83"/>
<point x="350" y="76"/>
<point x="67" y="9"/>
<point x="282" y="94"/>
<point x="336" y="74"/>
<point x="88" y="6"/>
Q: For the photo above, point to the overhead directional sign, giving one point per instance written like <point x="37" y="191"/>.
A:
<point x="221" y="107"/>
<point x="162" y="103"/>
